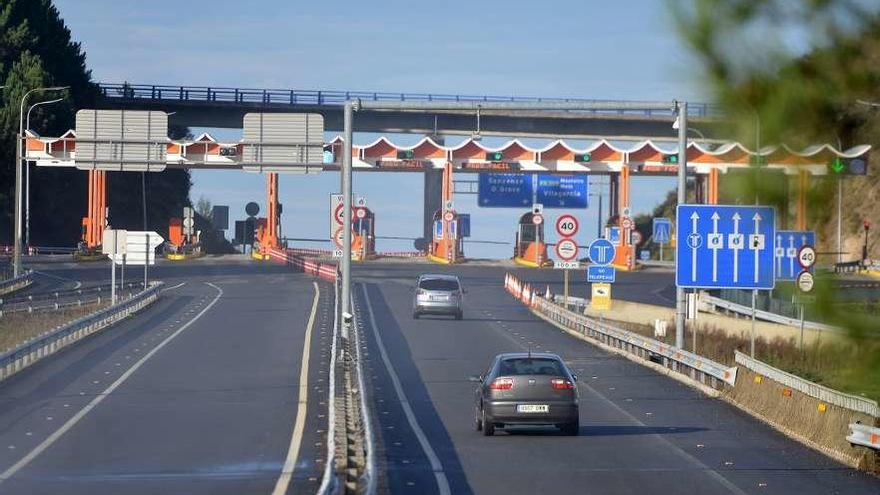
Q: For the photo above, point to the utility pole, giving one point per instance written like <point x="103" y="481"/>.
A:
<point x="680" y="297"/>
<point x="27" y="178"/>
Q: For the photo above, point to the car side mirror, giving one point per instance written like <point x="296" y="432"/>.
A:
<point x="574" y="377"/>
<point x="476" y="378"/>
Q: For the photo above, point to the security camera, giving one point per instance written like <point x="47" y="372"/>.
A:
<point x="347" y="317"/>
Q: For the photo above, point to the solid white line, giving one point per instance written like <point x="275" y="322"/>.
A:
<point x="103" y="395"/>
<point x="174" y="287"/>
<point x="436" y="466"/>
<point x="300" y="422"/>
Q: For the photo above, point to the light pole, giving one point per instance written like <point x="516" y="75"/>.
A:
<point x="27" y="176"/>
<point x="680" y="297"/>
<point x="16" y="253"/>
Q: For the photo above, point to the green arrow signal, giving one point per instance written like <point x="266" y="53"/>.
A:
<point x="837" y="165"/>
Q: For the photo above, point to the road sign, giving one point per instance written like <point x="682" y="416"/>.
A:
<point x="505" y="190"/>
<point x="448" y="204"/>
<point x="635" y="237"/>
<point x="114" y="241"/>
<point x="140" y="248"/>
<point x="566" y="249"/>
<point x="361" y="202"/>
<point x="121" y="140"/>
<point x="614" y="235"/>
<point x="806" y="257"/>
<point x="453" y="229"/>
<point x="625" y="212"/>
<point x="502" y="190"/>
<point x="336" y="207"/>
<point x="337" y="253"/>
<point x="449" y="215"/>
<point x="601" y="273"/>
<point x="537" y="209"/>
<point x="252" y="209"/>
<point x="662" y="230"/>
<point x="567" y="225"/>
<point x="188" y="222"/>
<point x="562" y="191"/>
<point x="601" y="252"/>
<point x="805" y="281"/>
<point x="338" y="237"/>
<point x="282" y="142"/>
<point x="645" y="254"/>
<point x="438" y="229"/>
<point x="725" y="246"/>
<point x="788" y="244"/>
<point x="566" y="265"/>
<point x="626" y="222"/>
<point x="360" y="213"/>
<point x="537" y="219"/>
<point x="600" y="296"/>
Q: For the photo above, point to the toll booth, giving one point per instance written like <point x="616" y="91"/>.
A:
<point x="530" y="248"/>
<point x="175" y="234"/>
<point x="447" y="244"/>
<point x="363" y="234"/>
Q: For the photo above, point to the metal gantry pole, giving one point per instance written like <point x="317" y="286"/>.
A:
<point x="680" y="297"/>
<point x="16" y="248"/>
<point x="146" y="236"/>
<point x="348" y="117"/>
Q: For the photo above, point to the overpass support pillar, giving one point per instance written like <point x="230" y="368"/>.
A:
<point x="273" y="214"/>
<point x="95" y="220"/>
<point x="433" y="201"/>
<point x="712" y="196"/>
<point x="801" y="213"/>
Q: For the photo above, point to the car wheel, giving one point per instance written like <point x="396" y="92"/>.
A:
<point x="571" y="429"/>
<point x="488" y="426"/>
<point x="478" y="421"/>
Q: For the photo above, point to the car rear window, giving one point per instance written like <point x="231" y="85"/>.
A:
<point x="530" y="366"/>
<point x="438" y="284"/>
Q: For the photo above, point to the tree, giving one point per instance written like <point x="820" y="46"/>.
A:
<point x="203" y="208"/>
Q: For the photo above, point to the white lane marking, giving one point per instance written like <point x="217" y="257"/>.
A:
<point x="45" y="444"/>
<point x="174" y="287"/>
<point x="436" y="465"/>
<point x="299" y="424"/>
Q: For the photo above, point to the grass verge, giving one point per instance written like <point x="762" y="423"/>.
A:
<point x="19" y="327"/>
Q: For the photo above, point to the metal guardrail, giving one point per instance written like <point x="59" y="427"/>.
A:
<point x="762" y="315"/>
<point x="208" y="94"/>
<point x="17" y="283"/>
<point x="825" y="394"/>
<point x="33" y="350"/>
<point x="864" y="435"/>
<point x="331" y="482"/>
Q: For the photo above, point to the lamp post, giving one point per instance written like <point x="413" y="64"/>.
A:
<point x="27" y="175"/>
<point x="16" y="254"/>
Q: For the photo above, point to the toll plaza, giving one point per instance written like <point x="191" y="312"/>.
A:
<point x="529" y="247"/>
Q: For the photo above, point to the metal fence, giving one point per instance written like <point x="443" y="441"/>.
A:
<point x="760" y="314"/>
<point x="825" y="394"/>
<point x="17" y="283"/>
<point x="208" y="94"/>
<point x="33" y="350"/>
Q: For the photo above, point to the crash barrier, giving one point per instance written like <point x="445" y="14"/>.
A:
<point x="713" y="303"/>
<point x="309" y="266"/>
<point x="57" y="300"/>
<point x="310" y="252"/>
<point x="402" y="254"/>
<point x="848" y="267"/>
<point x="37" y="348"/>
<point x="698" y="368"/>
<point x="17" y="283"/>
<point x="50" y="250"/>
<point x="864" y="435"/>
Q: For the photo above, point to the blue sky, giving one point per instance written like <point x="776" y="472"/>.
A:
<point x="593" y="49"/>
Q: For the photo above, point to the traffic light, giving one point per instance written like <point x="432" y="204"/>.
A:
<point x="848" y="166"/>
<point x="582" y="158"/>
<point x="671" y="158"/>
<point x="405" y="154"/>
<point x="494" y="156"/>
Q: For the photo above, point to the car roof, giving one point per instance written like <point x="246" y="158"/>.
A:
<point x="526" y="355"/>
<point x="439" y="276"/>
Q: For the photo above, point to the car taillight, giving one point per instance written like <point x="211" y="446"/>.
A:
<point x="560" y="384"/>
<point x="501" y="384"/>
<point x="422" y="292"/>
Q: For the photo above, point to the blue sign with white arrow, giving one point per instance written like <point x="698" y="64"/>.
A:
<point x="562" y="191"/>
<point x="662" y="230"/>
<point x="601" y="252"/>
<point x="614" y="235"/>
<point x="601" y="273"/>
<point x="788" y="243"/>
<point x="506" y="191"/>
<point x="725" y="247"/>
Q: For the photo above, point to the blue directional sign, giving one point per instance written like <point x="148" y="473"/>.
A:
<point x="562" y="191"/>
<point x="601" y="252"/>
<point x="725" y="247"/>
<point x="506" y="190"/>
<point x="662" y="230"/>
<point x="788" y="243"/>
<point x="614" y="235"/>
<point x="601" y="273"/>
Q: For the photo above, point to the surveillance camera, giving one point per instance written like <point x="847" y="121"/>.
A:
<point x="347" y="318"/>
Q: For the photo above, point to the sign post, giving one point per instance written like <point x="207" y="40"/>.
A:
<point x="114" y="244"/>
<point x="662" y="228"/>
<point x="567" y="248"/>
<point x="601" y="253"/>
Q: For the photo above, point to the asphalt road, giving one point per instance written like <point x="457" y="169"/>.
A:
<point x="199" y="393"/>
<point x="641" y="432"/>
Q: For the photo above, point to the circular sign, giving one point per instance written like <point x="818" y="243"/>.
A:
<point x="337" y="236"/>
<point x="449" y="216"/>
<point x="636" y="237"/>
<point x="567" y="225"/>
<point x="601" y="252"/>
<point x="566" y="249"/>
<point x="361" y="213"/>
<point x="252" y="209"/>
<point x="805" y="281"/>
<point x="626" y="211"/>
<point x="627" y="222"/>
<point x="537" y="219"/>
<point x="806" y="257"/>
<point x="188" y="222"/>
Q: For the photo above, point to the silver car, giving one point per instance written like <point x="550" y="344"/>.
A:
<point x="438" y="294"/>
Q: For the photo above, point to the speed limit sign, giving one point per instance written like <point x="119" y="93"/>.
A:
<point x="567" y="225"/>
<point x="360" y="212"/>
<point x="537" y="219"/>
<point x="806" y="257"/>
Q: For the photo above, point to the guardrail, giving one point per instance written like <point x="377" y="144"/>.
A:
<point x="864" y="435"/>
<point x="17" y="283"/>
<point x="33" y="350"/>
<point x="326" y="271"/>
<point x="697" y="367"/>
<point x="51" y="250"/>
<point x="208" y="94"/>
<point x="762" y="315"/>
<point x="825" y="394"/>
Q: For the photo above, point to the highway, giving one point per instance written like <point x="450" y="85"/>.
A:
<point x="200" y="393"/>
<point x="641" y="432"/>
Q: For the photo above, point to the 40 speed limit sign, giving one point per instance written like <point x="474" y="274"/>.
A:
<point x="567" y="225"/>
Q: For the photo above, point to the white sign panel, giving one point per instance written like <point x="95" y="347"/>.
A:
<point x="566" y="265"/>
<point x="141" y="248"/>
<point x="114" y="241"/>
<point x="283" y="142"/>
<point x="121" y="140"/>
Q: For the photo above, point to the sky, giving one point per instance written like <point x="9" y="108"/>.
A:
<point x="570" y="48"/>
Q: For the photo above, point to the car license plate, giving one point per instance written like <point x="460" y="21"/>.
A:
<point x="438" y="298"/>
<point x="532" y="408"/>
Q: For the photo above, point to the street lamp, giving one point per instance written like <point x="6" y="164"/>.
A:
<point x="16" y="263"/>
<point x="27" y="178"/>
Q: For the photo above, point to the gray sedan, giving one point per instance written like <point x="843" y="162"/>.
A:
<point x="438" y="294"/>
<point x="527" y="389"/>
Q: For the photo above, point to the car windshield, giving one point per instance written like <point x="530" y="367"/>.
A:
<point x="531" y="366"/>
<point x="438" y="284"/>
